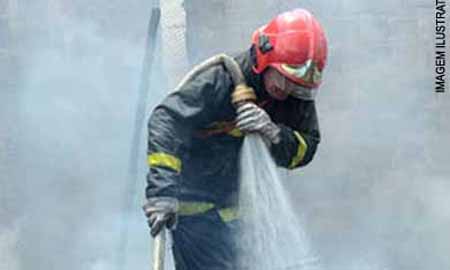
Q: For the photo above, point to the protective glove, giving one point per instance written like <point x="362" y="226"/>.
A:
<point x="160" y="212"/>
<point x="251" y="118"/>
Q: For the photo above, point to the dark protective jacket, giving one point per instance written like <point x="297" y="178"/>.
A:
<point x="193" y="146"/>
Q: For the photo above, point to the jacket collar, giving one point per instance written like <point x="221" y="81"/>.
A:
<point x="246" y="61"/>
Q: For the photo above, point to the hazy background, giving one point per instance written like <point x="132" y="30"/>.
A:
<point x="375" y="197"/>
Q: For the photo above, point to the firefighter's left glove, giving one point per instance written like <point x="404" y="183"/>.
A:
<point x="161" y="212"/>
<point x="251" y="118"/>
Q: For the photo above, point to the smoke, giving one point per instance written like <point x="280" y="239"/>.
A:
<point x="8" y="244"/>
<point x="371" y="195"/>
<point x="75" y="102"/>
<point x="375" y="196"/>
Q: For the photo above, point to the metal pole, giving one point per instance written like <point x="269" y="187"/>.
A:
<point x="159" y="250"/>
<point x="133" y="162"/>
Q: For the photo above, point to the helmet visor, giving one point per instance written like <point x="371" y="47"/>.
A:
<point x="308" y="72"/>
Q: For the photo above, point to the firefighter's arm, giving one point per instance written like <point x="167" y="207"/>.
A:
<point x="172" y="124"/>
<point x="299" y="139"/>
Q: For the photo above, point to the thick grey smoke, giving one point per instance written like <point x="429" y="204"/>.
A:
<point x="63" y="189"/>
<point x="375" y="197"/>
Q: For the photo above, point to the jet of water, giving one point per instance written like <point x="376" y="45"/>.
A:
<point x="271" y="237"/>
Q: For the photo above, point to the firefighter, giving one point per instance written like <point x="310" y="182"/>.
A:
<point x="195" y="134"/>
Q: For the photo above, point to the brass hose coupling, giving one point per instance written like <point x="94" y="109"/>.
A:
<point x="241" y="94"/>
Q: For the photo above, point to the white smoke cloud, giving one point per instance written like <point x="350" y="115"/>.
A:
<point x="375" y="197"/>
<point x="9" y="243"/>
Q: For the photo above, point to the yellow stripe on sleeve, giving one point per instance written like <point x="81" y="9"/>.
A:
<point x="302" y="147"/>
<point x="164" y="160"/>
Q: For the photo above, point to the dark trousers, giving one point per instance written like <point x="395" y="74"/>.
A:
<point x="205" y="242"/>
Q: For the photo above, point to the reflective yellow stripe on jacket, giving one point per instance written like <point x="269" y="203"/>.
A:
<point x="302" y="147"/>
<point x="195" y="208"/>
<point x="229" y="214"/>
<point x="164" y="160"/>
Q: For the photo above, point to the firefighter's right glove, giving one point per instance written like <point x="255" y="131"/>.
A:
<point x="251" y="118"/>
<point x="161" y="212"/>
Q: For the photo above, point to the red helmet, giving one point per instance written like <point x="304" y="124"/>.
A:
<point x="294" y="43"/>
